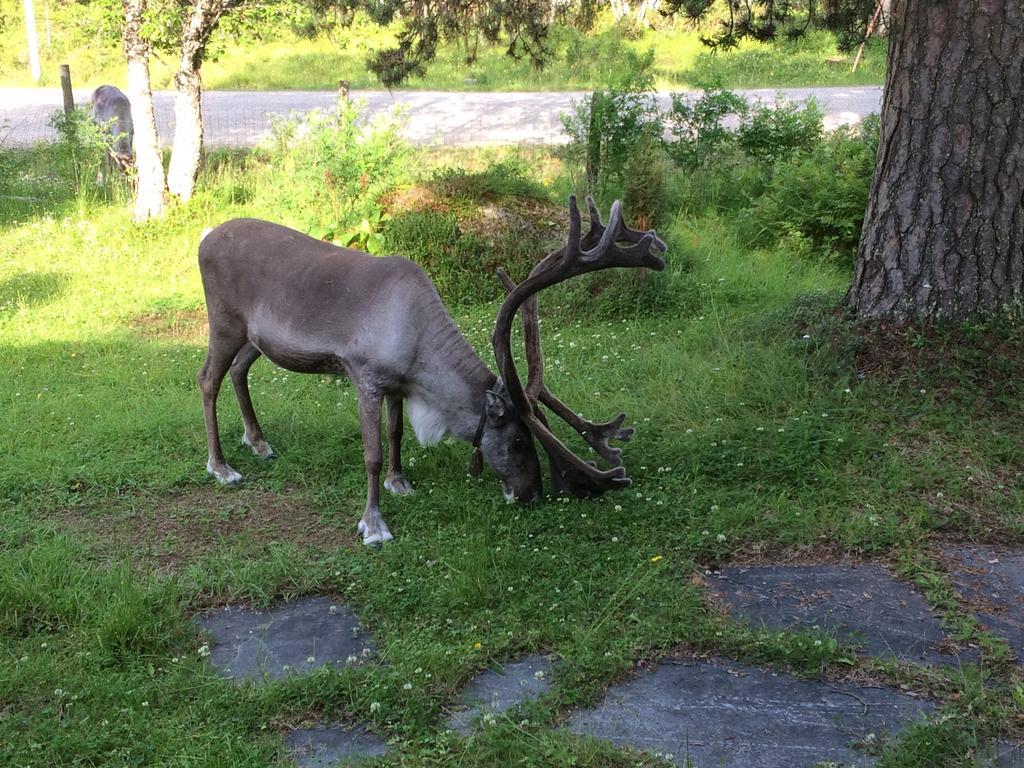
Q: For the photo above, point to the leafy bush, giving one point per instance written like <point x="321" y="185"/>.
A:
<point x="606" y="130"/>
<point x="80" y="147"/>
<point x="696" y="129"/>
<point x="462" y="263"/>
<point x="770" y="132"/>
<point x="815" y="202"/>
<point x="331" y="170"/>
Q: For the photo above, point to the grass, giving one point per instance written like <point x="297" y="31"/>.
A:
<point x="767" y="427"/>
<point x="284" y="61"/>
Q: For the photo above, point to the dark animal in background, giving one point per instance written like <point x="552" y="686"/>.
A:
<point x="312" y="307"/>
<point x="112" y="110"/>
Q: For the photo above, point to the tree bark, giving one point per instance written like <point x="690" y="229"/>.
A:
<point x="188" y="132"/>
<point x="150" y="185"/>
<point x="943" y="233"/>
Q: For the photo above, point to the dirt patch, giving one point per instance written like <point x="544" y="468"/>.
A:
<point x="171" y="325"/>
<point x="980" y="364"/>
<point x="415" y="199"/>
<point x="176" y="529"/>
<point x="543" y="220"/>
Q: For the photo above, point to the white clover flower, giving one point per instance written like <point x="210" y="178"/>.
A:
<point x="407" y="686"/>
<point x="720" y="537"/>
<point x="204" y="651"/>
<point x="374" y="707"/>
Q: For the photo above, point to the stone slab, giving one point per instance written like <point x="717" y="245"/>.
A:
<point x="721" y="715"/>
<point x="864" y="605"/>
<point x="496" y="691"/>
<point x="1005" y="756"/>
<point x="326" y="746"/>
<point x="294" y="637"/>
<point x="993" y="583"/>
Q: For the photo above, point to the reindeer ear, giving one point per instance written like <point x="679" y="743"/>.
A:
<point x="497" y="406"/>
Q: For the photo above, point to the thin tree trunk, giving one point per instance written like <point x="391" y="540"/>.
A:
<point x="943" y="232"/>
<point x="150" y="183"/>
<point x="188" y="133"/>
<point x="33" y="40"/>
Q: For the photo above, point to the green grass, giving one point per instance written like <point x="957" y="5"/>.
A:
<point x="580" y="62"/>
<point x="766" y="426"/>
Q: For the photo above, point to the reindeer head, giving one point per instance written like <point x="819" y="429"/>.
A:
<point x="507" y="446"/>
<point x="598" y="249"/>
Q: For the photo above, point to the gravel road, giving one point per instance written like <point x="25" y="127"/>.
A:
<point x="242" y="118"/>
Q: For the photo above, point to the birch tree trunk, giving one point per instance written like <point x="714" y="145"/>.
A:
<point x="188" y="116"/>
<point x="188" y="132"/>
<point x="150" y="183"/>
<point x="943" y="233"/>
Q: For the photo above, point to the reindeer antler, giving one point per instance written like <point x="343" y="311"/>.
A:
<point x="598" y="249"/>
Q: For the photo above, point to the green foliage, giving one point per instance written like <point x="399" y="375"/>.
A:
<point x="606" y="130"/>
<point x="332" y="172"/>
<point x="80" y="147"/>
<point x="815" y="201"/>
<point x="766" y="425"/>
<point x="777" y="173"/>
<point x="296" y="45"/>
<point x="770" y="132"/>
<point x="696" y="127"/>
<point x="462" y="263"/>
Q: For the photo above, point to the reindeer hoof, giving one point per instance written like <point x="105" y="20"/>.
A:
<point x="260" y="447"/>
<point x="225" y="475"/>
<point x="375" y="538"/>
<point x="398" y="485"/>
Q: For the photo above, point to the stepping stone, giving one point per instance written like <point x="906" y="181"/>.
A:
<point x="294" y="637"/>
<point x="737" y="716"/>
<point x="325" y="746"/>
<point x="993" y="584"/>
<point x="1005" y="756"/>
<point x="863" y="605"/>
<point x="493" y="692"/>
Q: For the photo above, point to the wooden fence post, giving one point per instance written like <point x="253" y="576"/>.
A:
<point x="65" y="86"/>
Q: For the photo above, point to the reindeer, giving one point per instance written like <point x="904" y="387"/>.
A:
<point x="112" y="111"/>
<point x="312" y="307"/>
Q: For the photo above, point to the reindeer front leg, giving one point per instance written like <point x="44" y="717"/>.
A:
<point x="372" y="525"/>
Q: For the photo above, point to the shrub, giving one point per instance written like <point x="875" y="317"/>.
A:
<point x="815" y="202"/>
<point x="330" y="170"/>
<point x="80" y="147"/>
<point x="606" y="130"/>
<point x="460" y="259"/>
<point x="696" y="130"/>
<point x="770" y="132"/>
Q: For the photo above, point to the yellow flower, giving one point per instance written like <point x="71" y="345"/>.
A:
<point x="656" y="558"/>
<point x="476" y="646"/>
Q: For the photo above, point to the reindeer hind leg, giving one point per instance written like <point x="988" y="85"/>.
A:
<point x="253" y="435"/>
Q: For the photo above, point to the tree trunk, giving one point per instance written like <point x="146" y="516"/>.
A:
<point x="943" y="233"/>
<point x="33" y="40"/>
<point x="188" y="132"/>
<point x="150" y="183"/>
